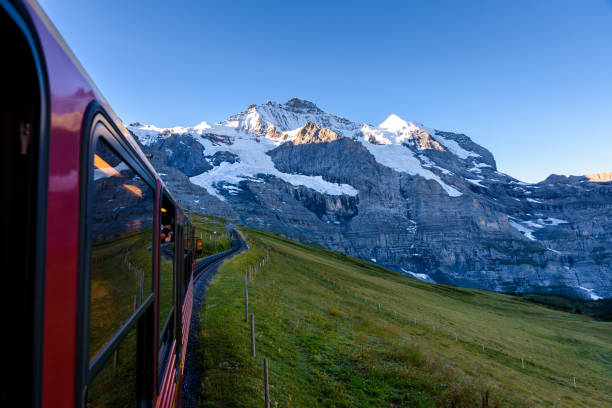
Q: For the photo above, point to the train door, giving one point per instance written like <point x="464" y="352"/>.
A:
<point x="23" y="160"/>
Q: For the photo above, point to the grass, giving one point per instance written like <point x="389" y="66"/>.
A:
<point x="342" y="332"/>
<point x="205" y="227"/>
<point x="600" y="309"/>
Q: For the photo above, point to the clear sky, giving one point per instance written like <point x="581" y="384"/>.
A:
<point x="531" y="80"/>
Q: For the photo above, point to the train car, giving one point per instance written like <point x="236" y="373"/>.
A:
<point x="98" y="255"/>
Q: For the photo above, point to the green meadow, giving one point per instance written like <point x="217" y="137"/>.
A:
<point x="205" y="227"/>
<point x="342" y="332"/>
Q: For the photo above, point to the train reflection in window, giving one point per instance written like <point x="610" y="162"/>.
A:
<point x="122" y="238"/>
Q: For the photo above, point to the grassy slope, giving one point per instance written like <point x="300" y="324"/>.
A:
<point x="339" y="331"/>
<point x="600" y="309"/>
<point x="205" y="227"/>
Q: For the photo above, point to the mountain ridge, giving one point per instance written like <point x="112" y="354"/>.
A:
<point x="421" y="201"/>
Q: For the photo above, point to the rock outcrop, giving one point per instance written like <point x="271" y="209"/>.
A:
<point x="312" y="133"/>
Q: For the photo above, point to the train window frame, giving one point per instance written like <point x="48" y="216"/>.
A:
<point x="97" y="125"/>
<point x="167" y="329"/>
<point x="102" y="140"/>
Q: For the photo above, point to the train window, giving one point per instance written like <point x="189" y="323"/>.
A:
<point x="122" y="240"/>
<point x="166" y="279"/>
<point x="187" y="259"/>
<point x="115" y="384"/>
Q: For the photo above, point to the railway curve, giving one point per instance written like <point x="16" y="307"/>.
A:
<point x="203" y="272"/>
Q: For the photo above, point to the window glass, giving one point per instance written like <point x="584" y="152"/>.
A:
<point x="115" y="384"/>
<point x="122" y="239"/>
<point x="166" y="279"/>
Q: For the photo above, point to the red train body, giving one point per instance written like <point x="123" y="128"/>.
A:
<point x="110" y="260"/>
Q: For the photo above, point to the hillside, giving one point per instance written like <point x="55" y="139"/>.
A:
<point x="206" y="228"/>
<point x="342" y="332"/>
<point x="423" y="202"/>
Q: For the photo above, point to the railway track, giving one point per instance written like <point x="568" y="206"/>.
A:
<point x="203" y="273"/>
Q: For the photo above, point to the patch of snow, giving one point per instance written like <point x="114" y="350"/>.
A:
<point x="454" y="147"/>
<point x="533" y="224"/>
<point x="202" y="126"/>
<point x="254" y="161"/>
<point x="395" y="124"/>
<point x="373" y="260"/>
<point x="477" y="167"/>
<point x="292" y="134"/>
<point x="430" y="164"/>
<point x="426" y="161"/>
<point x="552" y="221"/>
<point x="475" y="182"/>
<point x="591" y="293"/>
<point x="445" y="171"/>
<point x="402" y="159"/>
<point x="375" y="135"/>
<point x="233" y="190"/>
<point x="146" y="134"/>
<point x="394" y="130"/>
<point x="420" y="276"/>
<point x="522" y="229"/>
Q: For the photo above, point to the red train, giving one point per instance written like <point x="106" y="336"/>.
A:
<point x="99" y="254"/>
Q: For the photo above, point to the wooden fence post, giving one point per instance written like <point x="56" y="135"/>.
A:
<point x="116" y="358"/>
<point x="252" y="334"/>
<point x="246" y="299"/>
<point x="485" y="399"/>
<point x="266" y="384"/>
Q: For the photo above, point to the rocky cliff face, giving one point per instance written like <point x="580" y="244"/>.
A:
<point x="423" y="202"/>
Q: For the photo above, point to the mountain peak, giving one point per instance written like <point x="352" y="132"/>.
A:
<point x="301" y="105"/>
<point x="202" y="125"/>
<point x="394" y="124"/>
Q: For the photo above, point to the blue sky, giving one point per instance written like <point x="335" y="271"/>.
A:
<point x="529" y="80"/>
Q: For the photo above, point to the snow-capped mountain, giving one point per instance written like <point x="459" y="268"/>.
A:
<point x="418" y="200"/>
